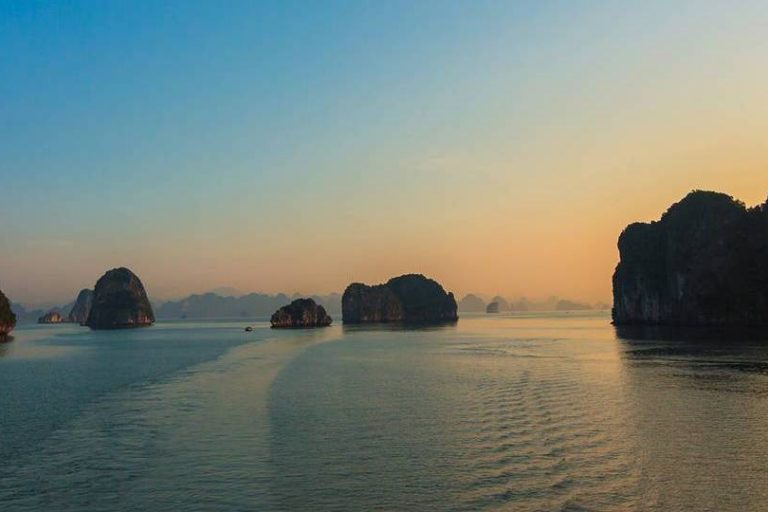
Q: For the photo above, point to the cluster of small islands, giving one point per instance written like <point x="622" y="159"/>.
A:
<point x="704" y="263"/>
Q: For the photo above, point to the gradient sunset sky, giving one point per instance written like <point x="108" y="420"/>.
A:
<point x="499" y="147"/>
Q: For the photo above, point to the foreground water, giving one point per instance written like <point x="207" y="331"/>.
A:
<point x="495" y="413"/>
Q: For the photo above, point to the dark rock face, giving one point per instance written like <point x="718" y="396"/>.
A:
<point x="300" y="313"/>
<point x="409" y="298"/>
<point x="7" y="317"/>
<point x="472" y="304"/>
<point x="362" y="303"/>
<point x="82" y="308"/>
<point x="51" y="317"/>
<point x="493" y="307"/>
<point x="704" y="263"/>
<point x="119" y="301"/>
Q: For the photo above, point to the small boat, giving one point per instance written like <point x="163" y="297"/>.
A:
<point x="248" y="329"/>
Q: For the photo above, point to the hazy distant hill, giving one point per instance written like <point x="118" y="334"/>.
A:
<point x="30" y="316"/>
<point x="258" y="305"/>
<point x="569" y="305"/>
<point x="503" y="304"/>
<point x="471" y="303"/>
<point x="252" y="305"/>
<point x="474" y="303"/>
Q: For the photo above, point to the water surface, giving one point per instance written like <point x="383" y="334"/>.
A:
<point x="537" y="412"/>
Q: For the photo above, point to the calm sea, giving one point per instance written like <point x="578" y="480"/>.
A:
<point x="555" y="412"/>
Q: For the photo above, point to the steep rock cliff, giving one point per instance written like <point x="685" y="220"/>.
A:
<point x="705" y="262"/>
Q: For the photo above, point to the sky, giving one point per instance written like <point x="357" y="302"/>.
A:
<point x="498" y="147"/>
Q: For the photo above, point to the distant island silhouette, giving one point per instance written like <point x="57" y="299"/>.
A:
<point x="411" y="298"/>
<point x="473" y="303"/>
<point x="51" y="317"/>
<point x="301" y="313"/>
<point x="251" y="305"/>
<point x="82" y="307"/>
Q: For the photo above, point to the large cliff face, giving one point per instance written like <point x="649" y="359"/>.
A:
<point x="119" y="301"/>
<point x="705" y="262"/>
<point x="82" y="307"/>
<point x="7" y="317"/>
<point x="408" y="298"/>
<point x="300" y="313"/>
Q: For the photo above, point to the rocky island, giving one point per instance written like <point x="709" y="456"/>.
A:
<point x="704" y="263"/>
<point x="7" y="317"/>
<point x="493" y="307"/>
<point x="79" y="312"/>
<point x="410" y="298"/>
<point x="119" y="301"/>
<point x="301" y="313"/>
<point x="51" y="317"/>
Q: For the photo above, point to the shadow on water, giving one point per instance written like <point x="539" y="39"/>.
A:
<point x="741" y="349"/>
<point x="398" y="327"/>
<point x="734" y="335"/>
<point x="696" y="405"/>
<point x="4" y="343"/>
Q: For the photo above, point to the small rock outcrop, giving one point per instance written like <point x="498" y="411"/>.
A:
<point x="409" y="298"/>
<point x="51" y="317"/>
<point x="704" y="263"/>
<point x="301" y="313"/>
<point x="7" y="317"/>
<point x="493" y="307"/>
<point x="119" y="301"/>
<point x="82" y="308"/>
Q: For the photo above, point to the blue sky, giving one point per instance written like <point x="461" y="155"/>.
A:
<point x="173" y="105"/>
<point x="245" y="144"/>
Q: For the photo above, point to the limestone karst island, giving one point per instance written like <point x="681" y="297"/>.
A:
<point x="705" y="262"/>
<point x="408" y="298"/>
<point x="119" y="301"/>
<point x="300" y="313"/>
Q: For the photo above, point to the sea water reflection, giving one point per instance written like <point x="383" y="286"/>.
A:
<point x="535" y="412"/>
<point x="701" y="399"/>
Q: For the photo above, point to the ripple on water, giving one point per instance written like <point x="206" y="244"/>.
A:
<point x="393" y="420"/>
<point x="541" y="447"/>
